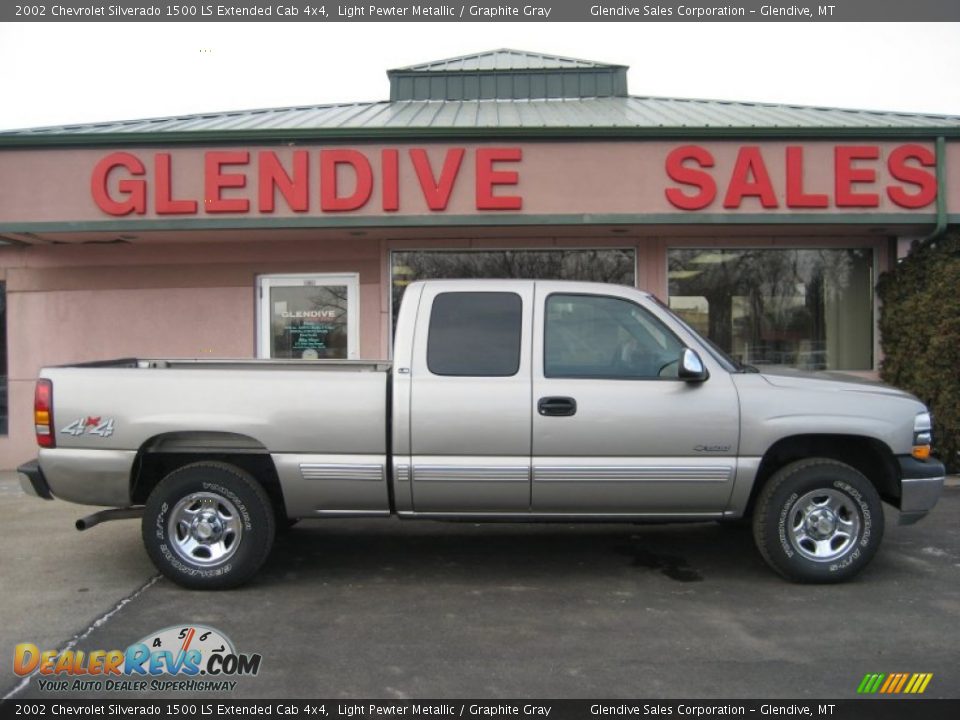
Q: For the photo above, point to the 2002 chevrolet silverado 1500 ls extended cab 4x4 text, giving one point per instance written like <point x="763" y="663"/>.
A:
<point x="505" y="400"/>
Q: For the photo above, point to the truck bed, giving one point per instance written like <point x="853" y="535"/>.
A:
<point x="317" y="407"/>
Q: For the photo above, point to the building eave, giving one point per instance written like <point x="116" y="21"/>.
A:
<point x="342" y="135"/>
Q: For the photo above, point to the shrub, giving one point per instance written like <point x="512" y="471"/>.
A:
<point x="920" y="331"/>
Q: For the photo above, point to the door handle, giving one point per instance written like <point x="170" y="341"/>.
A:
<point x="557" y="406"/>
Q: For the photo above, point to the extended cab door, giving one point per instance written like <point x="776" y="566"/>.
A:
<point x="470" y="408"/>
<point x="614" y="429"/>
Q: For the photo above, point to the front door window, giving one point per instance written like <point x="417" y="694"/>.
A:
<point x="308" y="317"/>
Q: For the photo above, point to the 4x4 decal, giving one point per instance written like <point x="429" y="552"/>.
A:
<point x="90" y="426"/>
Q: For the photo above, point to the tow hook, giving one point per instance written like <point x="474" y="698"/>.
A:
<point x="85" y="523"/>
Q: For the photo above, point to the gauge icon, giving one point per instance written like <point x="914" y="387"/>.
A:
<point x="184" y="638"/>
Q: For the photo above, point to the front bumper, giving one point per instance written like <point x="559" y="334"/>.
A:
<point x="33" y="481"/>
<point x="921" y="483"/>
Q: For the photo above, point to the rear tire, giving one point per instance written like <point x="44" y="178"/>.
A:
<point x="208" y="526"/>
<point x="818" y="521"/>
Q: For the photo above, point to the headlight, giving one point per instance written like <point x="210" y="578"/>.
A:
<point x="922" y="436"/>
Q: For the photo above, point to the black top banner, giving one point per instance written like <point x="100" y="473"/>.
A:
<point x="481" y="11"/>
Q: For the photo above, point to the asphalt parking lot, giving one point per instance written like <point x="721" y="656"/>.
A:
<point x="390" y="609"/>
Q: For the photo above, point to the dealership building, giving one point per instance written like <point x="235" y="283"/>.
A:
<point x="292" y="232"/>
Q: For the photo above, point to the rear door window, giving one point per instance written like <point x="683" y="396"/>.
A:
<point x="475" y="334"/>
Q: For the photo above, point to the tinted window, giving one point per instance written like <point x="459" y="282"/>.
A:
<point x="606" y="337"/>
<point x="475" y="333"/>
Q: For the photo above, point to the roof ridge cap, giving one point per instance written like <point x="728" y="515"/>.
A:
<point x="423" y="66"/>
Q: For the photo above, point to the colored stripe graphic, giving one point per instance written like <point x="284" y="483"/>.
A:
<point x="870" y="683"/>
<point x="894" y="683"/>
<point x="891" y="681"/>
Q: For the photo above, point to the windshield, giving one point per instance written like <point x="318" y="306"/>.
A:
<point x="715" y="351"/>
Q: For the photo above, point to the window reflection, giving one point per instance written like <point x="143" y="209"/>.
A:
<point x="604" y="337"/>
<point x="806" y="308"/>
<point x="595" y="265"/>
<point x="3" y="359"/>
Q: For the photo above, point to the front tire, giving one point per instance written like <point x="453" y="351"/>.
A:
<point x="818" y="521"/>
<point x="208" y="526"/>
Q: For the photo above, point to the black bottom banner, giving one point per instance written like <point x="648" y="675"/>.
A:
<point x="875" y="709"/>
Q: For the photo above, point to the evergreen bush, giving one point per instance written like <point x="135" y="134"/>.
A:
<point x="920" y="331"/>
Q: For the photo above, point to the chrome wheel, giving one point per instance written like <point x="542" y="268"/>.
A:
<point x="823" y="524"/>
<point x="205" y="529"/>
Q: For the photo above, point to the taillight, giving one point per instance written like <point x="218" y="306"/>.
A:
<point x="43" y="414"/>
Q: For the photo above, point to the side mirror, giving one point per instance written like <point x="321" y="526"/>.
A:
<point x="691" y="367"/>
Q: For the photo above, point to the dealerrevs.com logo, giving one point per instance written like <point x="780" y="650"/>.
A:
<point x="182" y="658"/>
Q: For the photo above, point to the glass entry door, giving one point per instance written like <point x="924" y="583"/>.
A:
<point x="308" y="317"/>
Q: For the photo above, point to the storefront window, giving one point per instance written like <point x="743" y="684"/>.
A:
<point x="609" y="265"/>
<point x="4" y="410"/>
<point x="308" y="317"/>
<point x="806" y="308"/>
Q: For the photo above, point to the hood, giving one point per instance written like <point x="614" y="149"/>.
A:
<point x="824" y="380"/>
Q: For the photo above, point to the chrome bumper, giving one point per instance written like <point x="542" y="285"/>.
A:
<point x="921" y="483"/>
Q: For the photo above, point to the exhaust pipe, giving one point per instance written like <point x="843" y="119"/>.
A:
<point x="85" y="523"/>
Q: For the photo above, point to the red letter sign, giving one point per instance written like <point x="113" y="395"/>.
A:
<point x="796" y="197"/>
<point x="487" y="178"/>
<point x="925" y="181"/>
<point x="688" y="176"/>
<point x="163" y="199"/>
<point x="437" y="192"/>
<point x="135" y="190"/>
<point x="847" y="175"/>
<point x="215" y="180"/>
<point x="750" y="164"/>
<point x="330" y="200"/>
<point x="274" y="177"/>
<point x="390" y="188"/>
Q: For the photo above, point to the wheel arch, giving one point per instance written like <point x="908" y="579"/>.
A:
<point x="162" y="454"/>
<point x="870" y="456"/>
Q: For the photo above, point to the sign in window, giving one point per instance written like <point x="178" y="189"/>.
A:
<point x="308" y="317"/>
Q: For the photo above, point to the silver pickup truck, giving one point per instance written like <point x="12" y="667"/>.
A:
<point x="505" y="400"/>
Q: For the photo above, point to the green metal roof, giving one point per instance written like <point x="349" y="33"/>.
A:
<point x="609" y="116"/>
<point x="500" y="94"/>
<point x="504" y="59"/>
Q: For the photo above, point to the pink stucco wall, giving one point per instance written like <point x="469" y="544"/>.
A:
<point x="78" y="303"/>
